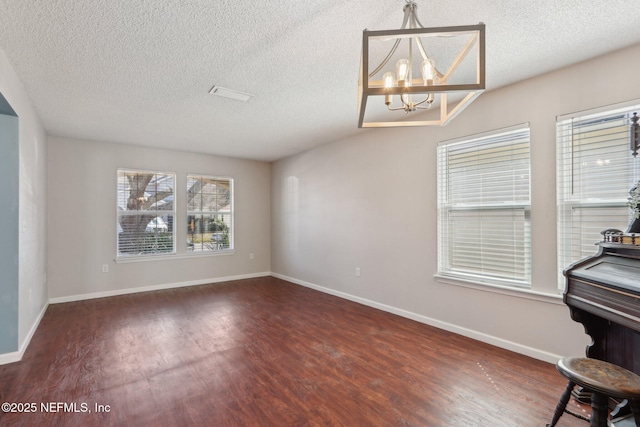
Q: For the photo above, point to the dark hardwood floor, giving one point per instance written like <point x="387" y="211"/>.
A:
<point x="265" y="352"/>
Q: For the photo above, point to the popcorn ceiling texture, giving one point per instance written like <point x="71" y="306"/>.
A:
<point x="139" y="72"/>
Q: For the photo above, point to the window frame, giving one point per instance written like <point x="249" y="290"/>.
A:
<point x="573" y="233"/>
<point x="446" y="205"/>
<point x="122" y="256"/>
<point x="231" y="213"/>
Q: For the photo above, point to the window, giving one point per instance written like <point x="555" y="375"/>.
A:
<point x="484" y="204"/>
<point x="209" y="213"/>
<point x="595" y="173"/>
<point x="146" y="211"/>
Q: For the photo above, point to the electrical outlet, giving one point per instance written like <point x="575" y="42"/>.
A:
<point x="357" y="271"/>
<point x="105" y="268"/>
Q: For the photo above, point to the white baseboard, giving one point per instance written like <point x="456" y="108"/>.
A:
<point x="16" y="356"/>
<point x="115" y="292"/>
<point x="479" y="336"/>
<point x="10" y="357"/>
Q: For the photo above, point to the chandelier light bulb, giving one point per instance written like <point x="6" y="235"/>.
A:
<point x="389" y="80"/>
<point x="428" y="71"/>
<point x="402" y="71"/>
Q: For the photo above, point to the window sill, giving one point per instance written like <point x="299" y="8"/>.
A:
<point x="502" y="290"/>
<point x="192" y="255"/>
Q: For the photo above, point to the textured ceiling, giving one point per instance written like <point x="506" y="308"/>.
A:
<point x="139" y="71"/>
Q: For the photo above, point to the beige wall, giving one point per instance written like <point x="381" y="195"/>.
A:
<point x="82" y="219"/>
<point x="369" y="201"/>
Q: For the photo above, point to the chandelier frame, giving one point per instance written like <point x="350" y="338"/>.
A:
<point x="369" y="87"/>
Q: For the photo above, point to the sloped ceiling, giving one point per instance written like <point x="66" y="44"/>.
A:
<point x="139" y="71"/>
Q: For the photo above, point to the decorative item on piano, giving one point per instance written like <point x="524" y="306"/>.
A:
<point x="634" y="204"/>
<point x="632" y="235"/>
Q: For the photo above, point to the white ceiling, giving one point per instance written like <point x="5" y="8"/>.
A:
<point x="139" y="71"/>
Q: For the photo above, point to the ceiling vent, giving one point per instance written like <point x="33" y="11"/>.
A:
<point x="230" y="93"/>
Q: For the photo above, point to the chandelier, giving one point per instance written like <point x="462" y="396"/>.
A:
<point x="450" y="62"/>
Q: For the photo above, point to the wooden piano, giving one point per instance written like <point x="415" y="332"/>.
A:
<point x="603" y="293"/>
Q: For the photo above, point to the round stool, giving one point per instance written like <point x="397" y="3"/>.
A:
<point x="603" y="380"/>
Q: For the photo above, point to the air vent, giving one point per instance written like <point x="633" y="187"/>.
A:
<point x="230" y="93"/>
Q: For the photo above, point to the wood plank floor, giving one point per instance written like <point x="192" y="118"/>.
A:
<point x="265" y="352"/>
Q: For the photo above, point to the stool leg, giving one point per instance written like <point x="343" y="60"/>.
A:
<point x="562" y="404"/>
<point x="599" y="410"/>
<point x="635" y="408"/>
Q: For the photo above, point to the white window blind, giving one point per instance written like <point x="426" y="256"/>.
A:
<point x="145" y="213"/>
<point x="595" y="172"/>
<point x="484" y="203"/>
<point x="209" y="213"/>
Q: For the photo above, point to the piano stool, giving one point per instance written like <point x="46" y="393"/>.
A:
<point x="603" y="380"/>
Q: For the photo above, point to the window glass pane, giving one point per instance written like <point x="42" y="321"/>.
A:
<point x="587" y="224"/>
<point x="494" y="175"/>
<point x="208" y="232"/>
<point x="600" y="161"/>
<point x="490" y="242"/>
<point x="155" y="237"/>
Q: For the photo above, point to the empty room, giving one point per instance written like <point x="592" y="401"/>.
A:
<point x="329" y="213"/>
